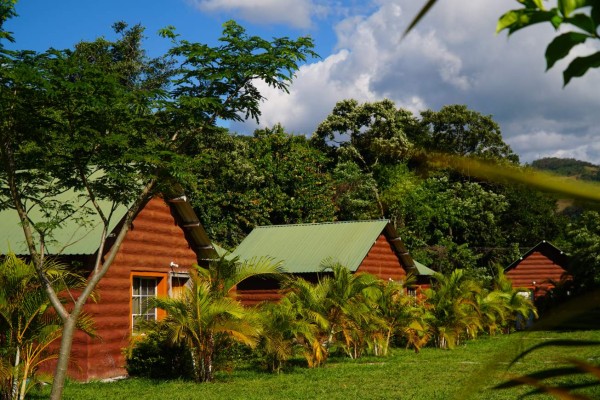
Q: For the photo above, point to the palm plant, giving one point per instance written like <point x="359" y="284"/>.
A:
<point x="404" y="316"/>
<point x="350" y="305"/>
<point x="283" y="329"/>
<point x="517" y="305"/>
<point x="208" y="315"/>
<point x="27" y="325"/>
<point x="305" y="303"/>
<point x="454" y="309"/>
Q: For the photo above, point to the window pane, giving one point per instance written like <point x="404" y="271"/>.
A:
<point x="143" y="290"/>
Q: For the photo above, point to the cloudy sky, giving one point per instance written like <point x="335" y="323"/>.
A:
<point x="452" y="57"/>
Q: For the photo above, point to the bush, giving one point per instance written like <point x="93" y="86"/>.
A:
<point x="153" y="356"/>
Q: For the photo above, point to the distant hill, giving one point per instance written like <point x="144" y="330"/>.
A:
<point x="569" y="167"/>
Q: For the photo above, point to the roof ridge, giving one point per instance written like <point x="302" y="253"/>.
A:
<point x="322" y="223"/>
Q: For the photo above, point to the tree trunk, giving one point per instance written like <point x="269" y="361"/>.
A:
<point x="24" y="382"/>
<point x="66" y="342"/>
<point x="15" y="382"/>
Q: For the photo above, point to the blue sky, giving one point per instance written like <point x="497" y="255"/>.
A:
<point x="452" y="57"/>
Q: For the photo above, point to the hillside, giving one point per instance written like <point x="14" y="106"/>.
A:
<point x="569" y="167"/>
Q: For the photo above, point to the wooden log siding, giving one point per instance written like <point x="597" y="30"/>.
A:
<point x="537" y="268"/>
<point x="382" y="261"/>
<point x="154" y="241"/>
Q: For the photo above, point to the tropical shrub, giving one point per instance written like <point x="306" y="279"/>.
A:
<point x="208" y="317"/>
<point x="152" y="355"/>
<point x="28" y="325"/>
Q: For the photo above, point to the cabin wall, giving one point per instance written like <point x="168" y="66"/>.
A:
<point x="154" y="241"/>
<point x="382" y="261"/>
<point x="535" y="272"/>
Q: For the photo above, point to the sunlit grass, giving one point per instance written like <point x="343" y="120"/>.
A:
<point x="469" y="371"/>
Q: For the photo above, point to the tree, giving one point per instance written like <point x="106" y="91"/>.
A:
<point x="584" y="236"/>
<point x="270" y="178"/>
<point x="305" y="302"/>
<point x="349" y="307"/>
<point x="455" y="129"/>
<point x="283" y="331"/>
<point x="106" y="121"/>
<point x="404" y="316"/>
<point x="207" y="315"/>
<point x="7" y="11"/>
<point x="367" y="134"/>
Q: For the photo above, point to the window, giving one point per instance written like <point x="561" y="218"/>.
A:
<point x="179" y="283"/>
<point x="143" y="289"/>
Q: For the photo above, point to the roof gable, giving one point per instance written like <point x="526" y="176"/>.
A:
<point x="303" y="248"/>
<point x="548" y="250"/>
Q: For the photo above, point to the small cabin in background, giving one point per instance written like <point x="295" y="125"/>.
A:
<point x="538" y="268"/>
<point x="362" y="246"/>
<point x="165" y="240"/>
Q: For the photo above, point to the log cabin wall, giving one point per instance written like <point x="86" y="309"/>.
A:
<point x="534" y="273"/>
<point x="154" y="241"/>
<point x="255" y="290"/>
<point x="382" y="261"/>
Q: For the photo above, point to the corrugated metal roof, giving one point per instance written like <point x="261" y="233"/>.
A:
<point x="302" y="248"/>
<point x="79" y="234"/>
<point x="422" y="269"/>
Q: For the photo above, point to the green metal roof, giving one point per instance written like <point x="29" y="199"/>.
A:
<point x="422" y="269"/>
<point x="302" y="248"/>
<point x="79" y="234"/>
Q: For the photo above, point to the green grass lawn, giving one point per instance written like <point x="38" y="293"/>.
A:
<point x="469" y="371"/>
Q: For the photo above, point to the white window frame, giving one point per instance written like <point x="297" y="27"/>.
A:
<point x="143" y="295"/>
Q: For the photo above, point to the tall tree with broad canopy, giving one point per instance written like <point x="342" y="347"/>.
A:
<point x="272" y="177"/>
<point x="455" y="129"/>
<point x="367" y="135"/>
<point x="107" y="121"/>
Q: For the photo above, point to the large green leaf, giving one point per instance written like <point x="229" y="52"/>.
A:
<point x="580" y="65"/>
<point x="583" y="22"/>
<point x="562" y="45"/>
<point x="566" y="7"/>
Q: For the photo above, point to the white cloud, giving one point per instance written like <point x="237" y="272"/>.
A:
<point x="297" y="13"/>
<point x="452" y="57"/>
<point x="540" y="144"/>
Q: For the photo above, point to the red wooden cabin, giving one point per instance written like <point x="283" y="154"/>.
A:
<point x="166" y="239"/>
<point x="362" y="246"/>
<point x="538" y="269"/>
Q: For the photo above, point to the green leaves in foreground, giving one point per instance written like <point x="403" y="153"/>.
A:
<point x="536" y="179"/>
<point x="562" y="391"/>
<point x="582" y="15"/>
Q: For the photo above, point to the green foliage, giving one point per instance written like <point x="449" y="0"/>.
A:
<point x="355" y="192"/>
<point x="7" y="11"/>
<point x="455" y="129"/>
<point x="584" y="236"/>
<point x="27" y="324"/>
<point x="153" y="356"/>
<point x="206" y="317"/>
<point x="581" y="15"/>
<point x="270" y="178"/>
<point x="368" y="133"/>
